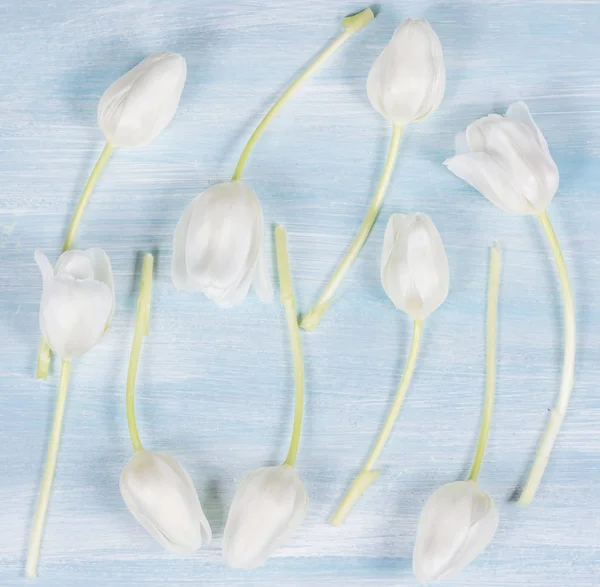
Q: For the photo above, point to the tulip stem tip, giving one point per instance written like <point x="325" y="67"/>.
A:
<point x="311" y="319"/>
<point x="558" y="412"/>
<point x="141" y="329"/>
<point x="287" y="298"/>
<point x="366" y="477"/>
<point x="491" y="335"/>
<point x="351" y="24"/>
<point x="46" y="488"/>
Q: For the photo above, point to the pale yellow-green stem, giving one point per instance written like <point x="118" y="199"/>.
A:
<point x="558" y="412"/>
<point x="43" y="360"/>
<point x="351" y="24"/>
<point x="312" y="318"/>
<point x="42" y="505"/>
<point x="288" y="301"/>
<point x="490" y="382"/>
<point x="142" y="329"/>
<point x="367" y="476"/>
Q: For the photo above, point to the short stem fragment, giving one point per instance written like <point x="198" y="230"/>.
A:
<point x="50" y="467"/>
<point x="312" y="318"/>
<point x="351" y="24"/>
<point x="366" y="477"/>
<point x="141" y="329"/>
<point x="558" y="412"/>
<point x="287" y="298"/>
<point x="490" y="383"/>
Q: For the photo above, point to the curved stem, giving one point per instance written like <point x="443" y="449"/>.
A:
<point x="351" y="24"/>
<point x="43" y="360"/>
<point x="490" y="383"/>
<point x="287" y="298"/>
<point x="366" y="477"/>
<point x="141" y="330"/>
<point x="558" y="412"/>
<point x="46" y="489"/>
<point x="312" y="318"/>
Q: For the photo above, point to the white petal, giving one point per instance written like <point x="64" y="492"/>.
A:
<point x="102" y="272"/>
<point x="407" y="80"/>
<point x="520" y="112"/>
<point x="456" y="524"/>
<point x="161" y="496"/>
<point x="268" y="507"/>
<point x="137" y="107"/>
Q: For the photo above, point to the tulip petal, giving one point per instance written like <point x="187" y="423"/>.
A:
<point x="520" y="112"/>
<point x="161" y="496"/>
<point x="102" y="272"/>
<point x="268" y="507"/>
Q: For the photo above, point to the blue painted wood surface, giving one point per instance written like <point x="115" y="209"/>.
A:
<point x="215" y="388"/>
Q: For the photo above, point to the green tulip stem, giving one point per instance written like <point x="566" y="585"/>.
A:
<point x="46" y="488"/>
<point x="558" y="412"/>
<point x="141" y="329"/>
<point x="289" y="303"/>
<point x="312" y="318"/>
<point x="351" y="24"/>
<point x="367" y="476"/>
<point x="491" y="335"/>
<point x="43" y="360"/>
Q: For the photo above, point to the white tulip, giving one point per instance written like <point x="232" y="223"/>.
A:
<point x="507" y="159"/>
<point x="414" y="266"/>
<point x="137" y="107"/>
<point x="456" y="524"/>
<point x="78" y="300"/>
<point x="268" y="507"/>
<point x="218" y="246"/>
<point x="408" y="79"/>
<point x="162" y="498"/>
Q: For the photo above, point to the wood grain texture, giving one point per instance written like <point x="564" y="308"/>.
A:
<point x="215" y="387"/>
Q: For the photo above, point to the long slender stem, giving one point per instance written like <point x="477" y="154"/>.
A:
<point x="43" y="360"/>
<point x="288" y="301"/>
<point x="312" y="318"/>
<point x="490" y="382"/>
<point x="141" y="330"/>
<point x="367" y="476"/>
<point x="46" y="489"/>
<point x="351" y="24"/>
<point x="558" y="412"/>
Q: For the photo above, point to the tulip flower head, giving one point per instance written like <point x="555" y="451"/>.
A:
<point x="78" y="300"/>
<point x="218" y="246"/>
<point x="507" y="159"/>
<point x="414" y="266"/>
<point x="137" y="107"/>
<point x="268" y="507"/>
<point x="161" y="496"/>
<point x="407" y="81"/>
<point x="456" y="524"/>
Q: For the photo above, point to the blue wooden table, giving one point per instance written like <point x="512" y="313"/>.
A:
<point x="215" y="387"/>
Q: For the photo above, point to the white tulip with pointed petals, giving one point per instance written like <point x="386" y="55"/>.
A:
<point x="408" y="79"/>
<point x="269" y="505"/>
<point x="218" y="246"/>
<point x="162" y="498"/>
<point x="78" y="300"/>
<point x="137" y="107"/>
<point x="507" y="159"/>
<point x="414" y="266"/>
<point x="456" y="524"/>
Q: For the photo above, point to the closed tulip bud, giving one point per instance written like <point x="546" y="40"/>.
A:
<point x="136" y="108"/>
<point x="218" y="246"/>
<point x="456" y="524"/>
<point x="507" y="159"/>
<point x="268" y="507"/>
<point x="78" y="300"/>
<point x="408" y="79"/>
<point x="162" y="498"/>
<point x="414" y="266"/>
